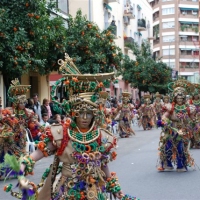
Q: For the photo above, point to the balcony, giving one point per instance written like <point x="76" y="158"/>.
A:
<point x="188" y="68"/>
<point x="128" y="12"/>
<point x="141" y="25"/>
<point x="192" y="14"/>
<point x="189" y="28"/>
<point x="128" y="41"/>
<point x="156" y="43"/>
<point x="188" y="40"/>
<point x="189" y="2"/>
<point x="111" y="1"/>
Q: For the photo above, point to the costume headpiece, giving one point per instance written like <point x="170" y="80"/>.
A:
<point x="166" y="97"/>
<point x="146" y="96"/>
<point x="126" y="94"/>
<point x="158" y="95"/>
<point x="82" y="90"/>
<point x="181" y="86"/>
<point x="17" y="92"/>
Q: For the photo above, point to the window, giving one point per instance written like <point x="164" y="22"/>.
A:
<point x="62" y="5"/>
<point x="168" y="24"/>
<point x="167" y="52"/>
<point x="169" y="38"/>
<point x="170" y="64"/>
<point x="168" y="11"/>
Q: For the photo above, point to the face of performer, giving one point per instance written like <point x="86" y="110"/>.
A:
<point x="21" y="106"/>
<point x="196" y="97"/>
<point x="84" y="119"/>
<point x="157" y="99"/>
<point x="147" y="101"/>
<point x="125" y="100"/>
<point x="179" y="100"/>
<point x="166" y="100"/>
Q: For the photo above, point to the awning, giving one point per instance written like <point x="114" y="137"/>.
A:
<point x="189" y="49"/>
<point x="194" y="9"/>
<point x="183" y="22"/>
<point x="106" y="6"/>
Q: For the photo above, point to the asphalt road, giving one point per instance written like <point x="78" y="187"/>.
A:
<point x="136" y="169"/>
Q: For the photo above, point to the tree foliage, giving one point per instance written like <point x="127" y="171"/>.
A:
<point x="92" y="50"/>
<point x="145" y="73"/>
<point x="31" y="39"/>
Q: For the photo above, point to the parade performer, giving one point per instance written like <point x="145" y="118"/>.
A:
<point x="166" y="104"/>
<point x="158" y="105"/>
<point x="13" y="121"/>
<point x="147" y="113"/>
<point x="125" y="116"/>
<point x="195" y="100"/>
<point x="176" y="134"/>
<point x="82" y="148"/>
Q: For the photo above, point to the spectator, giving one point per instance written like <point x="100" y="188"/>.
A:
<point x="30" y="104"/>
<point x="44" y="122"/>
<point x="35" y="128"/>
<point x="55" y="109"/>
<point x="45" y="108"/>
<point x="37" y="106"/>
<point x="55" y="120"/>
<point x="137" y="103"/>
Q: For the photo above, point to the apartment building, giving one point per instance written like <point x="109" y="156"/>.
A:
<point x="176" y="35"/>
<point x="133" y="20"/>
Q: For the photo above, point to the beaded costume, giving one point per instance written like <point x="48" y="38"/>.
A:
<point x="82" y="152"/>
<point x="125" y="116"/>
<point x="147" y="113"/>
<point x="13" y="123"/>
<point x="177" y="130"/>
<point x="195" y="101"/>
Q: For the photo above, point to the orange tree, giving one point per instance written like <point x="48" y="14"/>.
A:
<point x="31" y="40"/>
<point x="145" y="73"/>
<point x="92" y="50"/>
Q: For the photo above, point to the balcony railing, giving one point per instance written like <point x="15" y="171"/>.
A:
<point x="128" y="12"/>
<point x="128" y="40"/>
<point x="141" y="24"/>
<point x="189" y="14"/>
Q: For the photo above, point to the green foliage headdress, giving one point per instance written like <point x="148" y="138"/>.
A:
<point x="83" y="90"/>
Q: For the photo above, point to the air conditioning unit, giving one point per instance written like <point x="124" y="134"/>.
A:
<point x="184" y="13"/>
<point x="194" y="12"/>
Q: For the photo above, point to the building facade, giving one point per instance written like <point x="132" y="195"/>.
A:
<point x="133" y="19"/>
<point x="176" y="35"/>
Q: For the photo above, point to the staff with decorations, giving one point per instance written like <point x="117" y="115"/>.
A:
<point x="176" y="130"/>
<point x="82" y="148"/>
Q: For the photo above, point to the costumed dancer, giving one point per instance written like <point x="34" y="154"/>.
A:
<point x="195" y="100"/>
<point x="13" y="123"/>
<point x="125" y="113"/>
<point x="82" y="148"/>
<point x="176" y="130"/>
<point x="147" y="113"/>
<point x="158" y="105"/>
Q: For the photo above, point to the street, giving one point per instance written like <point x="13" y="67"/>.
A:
<point x="136" y="170"/>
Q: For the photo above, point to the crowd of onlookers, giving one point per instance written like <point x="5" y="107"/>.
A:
<point x="45" y="114"/>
